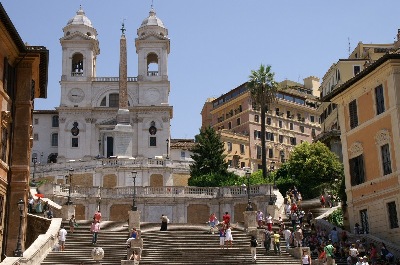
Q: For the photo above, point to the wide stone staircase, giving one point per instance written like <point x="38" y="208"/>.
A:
<point x="182" y="244"/>
<point x="187" y="244"/>
<point x="78" y="246"/>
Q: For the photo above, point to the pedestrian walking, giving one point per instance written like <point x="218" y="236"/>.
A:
<point x="260" y="218"/>
<point x="164" y="223"/>
<point x="31" y="202"/>
<point x="62" y="236"/>
<point x="267" y="240"/>
<point x="253" y="248"/>
<point x="287" y="234"/>
<point x="277" y="247"/>
<point x="329" y="250"/>
<point x="228" y="235"/>
<point x="95" y="228"/>
<point x="97" y="216"/>
<point x="213" y="221"/>
<point x="72" y="224"/>
<point x="222" y="237"/>
<point x="305" y="258"/>
<point x="269" y="222"/>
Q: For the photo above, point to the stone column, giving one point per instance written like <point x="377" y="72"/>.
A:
<point x="250" y="222"/>
<point x="134" y="220"/>
<point x="67" y="211"/>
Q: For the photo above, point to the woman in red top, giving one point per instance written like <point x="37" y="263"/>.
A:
<point x="322" y="200"/>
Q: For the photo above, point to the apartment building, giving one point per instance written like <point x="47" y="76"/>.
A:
<point x="368" y="118"/>
<point x="292" y="119"/>
<point x="359" y="59"/>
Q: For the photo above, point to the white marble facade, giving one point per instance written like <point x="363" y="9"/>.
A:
<point x="89" y="104"/>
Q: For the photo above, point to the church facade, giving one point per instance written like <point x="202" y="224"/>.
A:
<point x="108" y="129"/>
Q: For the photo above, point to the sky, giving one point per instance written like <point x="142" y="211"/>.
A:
<point x="214" y="43"/>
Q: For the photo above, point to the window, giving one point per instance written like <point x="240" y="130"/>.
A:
<point x="386" y="163"/>
<point x="4" y="141"/>
<point x="280" y="124"/>
<point x="277" y="111"/>
<point x="288" y="114"/>
<point x="353" y="114"/>
<point x="291" y="126"/>
<point x="153" y="141"/>
<point x="313" y="134"/>
<point x="229" y="146"/>
<point x="242" y="148"/>
<point x="242" y="164"/>
<point x="103" y="102"/>
<point x="269" y="136"/>
<point x="281" y="139"/>
<point x="183" y="154"/>
<point x="258" y="152"/>
<point x="229" y="163"/>
<point x="255" y="134"/>
<point x="357" y="69"/>
<point x="113" y="100"/>
<point x="282" y="156"/>
<point x="364" y="221"/>
<point x="36" y="137"/>
<point x="392" y="212"/>
<point x="1" y="209"/>
<point x="269" y="121"/>
<point x="54" y="121"/>
<point x="229" y="125"/>
<point x="270" y="153"/>
<point x="54" y="139"/>
<point x="75" y="142"/>
<point x="301" y="128"/>
<point x="238" y="121"/>
<point x="293" y="140"/>
<point x="312" y="118"/>
<point x="256" y="118"/>
<point x="357" y="172"/>
<point x="379" y="100"/>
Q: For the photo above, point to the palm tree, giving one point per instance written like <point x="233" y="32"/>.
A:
<point x="263" y="88"/>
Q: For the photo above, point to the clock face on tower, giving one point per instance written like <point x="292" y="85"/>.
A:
<point x="76" y="95"/>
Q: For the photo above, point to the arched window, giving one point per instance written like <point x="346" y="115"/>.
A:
<point x="77" y="65"/>
<point x="152" y="64"/>
<point x="111" y="100"/>
<point x="54" y="139"/>
<point x="54" y="121"/>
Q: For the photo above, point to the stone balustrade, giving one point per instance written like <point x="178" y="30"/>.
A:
<point x="165" y="191"/>
<point x="62" y="168"/>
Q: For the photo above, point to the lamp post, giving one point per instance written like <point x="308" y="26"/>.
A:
<point x="134" y="208"/>
<point x="271" y="199"/>
<point x="249" y="207"/>
<point x="69" y="201"/>
<point x="271" y="169"/>
<point x="18" y="250"/>
<point x="167" y="148"/>
<point x="34" y="160"/>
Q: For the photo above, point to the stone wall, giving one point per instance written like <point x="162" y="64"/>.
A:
<point x="35" y="226"/>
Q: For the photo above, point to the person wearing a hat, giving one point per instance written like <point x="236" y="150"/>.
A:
<point x="329" y="250"/>
<point x="362" y="261"/>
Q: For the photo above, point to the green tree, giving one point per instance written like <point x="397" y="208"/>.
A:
<point x="263" y="88"/>
<point x="312" y="168"/>
<point x="209" y="167"/>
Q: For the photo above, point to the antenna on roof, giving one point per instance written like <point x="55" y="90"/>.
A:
<point x="348" y="39"/>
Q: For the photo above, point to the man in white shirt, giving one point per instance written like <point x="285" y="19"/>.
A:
<point x="287" y="234"/>
<point x="62" y="236"/>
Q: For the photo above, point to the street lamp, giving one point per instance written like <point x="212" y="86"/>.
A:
<point x="271" y="169"/>
<point x="167" y="148"/>
<point x="134" y="208"/>
<point x="34" y="160"/>
<point x="18" y="250"/>
<point x="69" y="201"/>
<point x="249" y="207"/>
<point x="271" y="199"/>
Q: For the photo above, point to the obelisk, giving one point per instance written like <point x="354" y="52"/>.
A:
<point x="123" y="131"/>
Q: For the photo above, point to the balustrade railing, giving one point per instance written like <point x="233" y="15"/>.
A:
<point x="165" y="191"/>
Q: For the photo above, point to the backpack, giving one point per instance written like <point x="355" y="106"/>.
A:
<point x="253" y="243"/>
